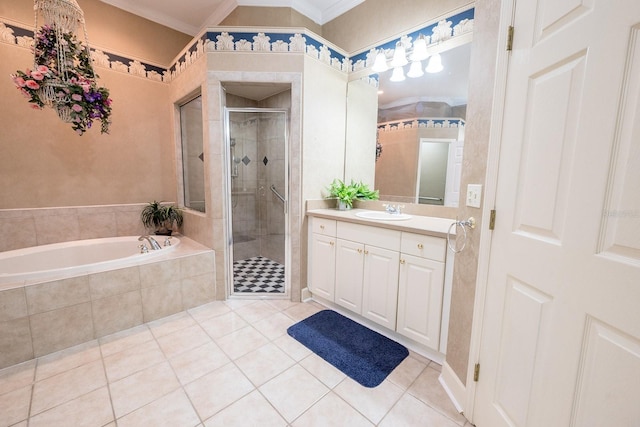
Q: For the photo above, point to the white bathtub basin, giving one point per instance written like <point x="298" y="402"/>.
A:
<point x="382" y="216"/>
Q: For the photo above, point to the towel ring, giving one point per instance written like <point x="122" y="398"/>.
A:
<point x="471" y="223"/>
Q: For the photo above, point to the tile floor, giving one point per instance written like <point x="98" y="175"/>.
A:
<point x="222" y="364"/>
<point x="258" y="275"/>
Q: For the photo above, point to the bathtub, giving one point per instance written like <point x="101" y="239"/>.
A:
<point x="77" y="257"/>
<point x="57" y="296"/>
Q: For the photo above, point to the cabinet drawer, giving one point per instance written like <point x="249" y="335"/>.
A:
<point x="375" y="236"/>
<point x="424" y="246"/>
<point x="326" y="227"/>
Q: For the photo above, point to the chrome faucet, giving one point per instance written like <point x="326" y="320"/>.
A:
<point x="393" y="209"/>
<point x="154" y="245"/>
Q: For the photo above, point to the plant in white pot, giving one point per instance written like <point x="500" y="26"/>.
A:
<point x="347" y="193"/>
<point x="161" y="218"/>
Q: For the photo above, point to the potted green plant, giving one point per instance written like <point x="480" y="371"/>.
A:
<point x="161" y="218"/>
<point x="347" y="193"/>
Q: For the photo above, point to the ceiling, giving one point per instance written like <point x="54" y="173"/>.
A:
<point x="191" y="16"/>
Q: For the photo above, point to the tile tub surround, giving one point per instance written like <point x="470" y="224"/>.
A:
<point x="225" y="363"/>
<point x="40" y="318"/>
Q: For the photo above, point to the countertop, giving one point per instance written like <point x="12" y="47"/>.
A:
<point x="427" y="225"/>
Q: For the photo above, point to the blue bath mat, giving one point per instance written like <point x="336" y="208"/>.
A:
<point x="362" y="354"/>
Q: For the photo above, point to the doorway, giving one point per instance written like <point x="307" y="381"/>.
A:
<point x="258" y="193"/>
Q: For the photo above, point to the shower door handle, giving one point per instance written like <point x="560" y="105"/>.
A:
<point x="279" y="196"/>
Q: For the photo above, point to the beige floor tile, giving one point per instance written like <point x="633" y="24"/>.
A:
<point x="410" y="411"/>
<point x="282" y="304"/>
<point x="168" y="325"/>
<point x="274" y="326"/>
<point x="67" y="386"/>
<point x="302" y="311"/>
<point x="183" y="340"/>
<point x="308" y="390"/>
<point x="207" y="311"/>
<point x="373" y="403"/>
<point x="14" y="406"/>
<point x="241" y="342"/>
<point x="193" y="364"/>
<point x="323" y="370"/>
<point x="407" y="372"/>
<point x="292" y="347"/>
<point x="141" y="388"/>
<point x="428" y="389"/>
<point x="65" y="360"/>
<point x="224" y="324"/>
<point x="237" y="303"/>
<point x="217" y="390"/>
<point x="253" y="313"/>
<point x="132" y="360"/>
<point x="119" y="341"/>
<point x="253" y="410"/>
<point x="17" y="376"/>
<point x="331" y="411"/>
<point x="90" y="410"/>
<point x="264" y="363"/>
<point x="174" y="409"/>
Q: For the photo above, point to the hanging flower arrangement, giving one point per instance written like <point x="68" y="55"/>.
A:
<point x="63" y="77"/>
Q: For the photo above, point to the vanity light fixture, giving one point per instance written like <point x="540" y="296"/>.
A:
<point x="415" y="70"/>
<point x="435" y="64"/>
<point x="397" y="75"/>
<point x="380" y="63"/>
<point x="399" y="56"/>
<point x="419" y="49"/>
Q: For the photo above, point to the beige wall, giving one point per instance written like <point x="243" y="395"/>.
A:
<point x="248" y="16"/>
<point x="45" y="163"/>
<point x="376" y="20"/>
<point x="474" y="168"/>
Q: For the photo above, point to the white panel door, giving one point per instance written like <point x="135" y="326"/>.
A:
<point x="322" y="266"/>
<point x="380" y="285"/>
<point x="420" y="290"/>
<point x="349" y="274"/>
<point x="561" y="328"/>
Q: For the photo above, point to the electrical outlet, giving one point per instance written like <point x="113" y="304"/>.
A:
<point x="474" y="195"/>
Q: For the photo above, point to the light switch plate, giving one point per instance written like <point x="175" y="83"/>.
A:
<point x="474" y="195"/>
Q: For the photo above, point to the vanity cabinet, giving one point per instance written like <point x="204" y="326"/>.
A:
<point x="420" y="289"/>
<point x="394" y="278"/>
<point x="322" y="257"/>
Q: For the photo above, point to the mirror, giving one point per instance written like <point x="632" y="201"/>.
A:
<point x="415" y="117"/>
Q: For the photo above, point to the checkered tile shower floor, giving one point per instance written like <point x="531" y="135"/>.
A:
<point x="258" y="274"/>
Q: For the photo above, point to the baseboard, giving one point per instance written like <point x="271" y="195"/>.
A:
<point x="305" y="295"/>
<point x="453" y="386"/>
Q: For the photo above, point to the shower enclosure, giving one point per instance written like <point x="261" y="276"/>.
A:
<point x="258" y="187"/>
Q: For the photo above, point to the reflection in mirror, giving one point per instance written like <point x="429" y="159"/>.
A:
<point x="427" y="108"/>
<point x="192" y="154"/>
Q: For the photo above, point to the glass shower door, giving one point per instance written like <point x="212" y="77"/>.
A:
<point x="257" y="142"/>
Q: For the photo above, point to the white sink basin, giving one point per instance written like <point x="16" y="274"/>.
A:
<point x="382" y="216"/>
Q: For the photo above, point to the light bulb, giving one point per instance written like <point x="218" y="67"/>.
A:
<point x="397" y="75"/>
<point x="399" y="56"/>
<point x="380" y="63"/>
<point x="415" y="70"/>
<point x="435" y="64"/>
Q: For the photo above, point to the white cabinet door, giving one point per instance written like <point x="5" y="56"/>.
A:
<point x="322" y="266"/>
<point x="380" y="286"/>
<point x="349" y="274"/>
<point x="420" y="299"/>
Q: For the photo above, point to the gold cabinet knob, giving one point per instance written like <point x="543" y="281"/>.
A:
<point x="322" y="227"/>
<point x="402" y="261"/>
<point x="366" y="252"/>
<point x="331" y="243"/>
<point x="420" y="246"/>
<point x="359" y="251"/>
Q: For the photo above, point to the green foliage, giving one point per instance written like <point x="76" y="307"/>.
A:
<point x="347" y="193"/>
<point x="160" y="217"/>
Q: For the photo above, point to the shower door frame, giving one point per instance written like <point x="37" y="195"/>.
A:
<point x="229" y="206"/>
